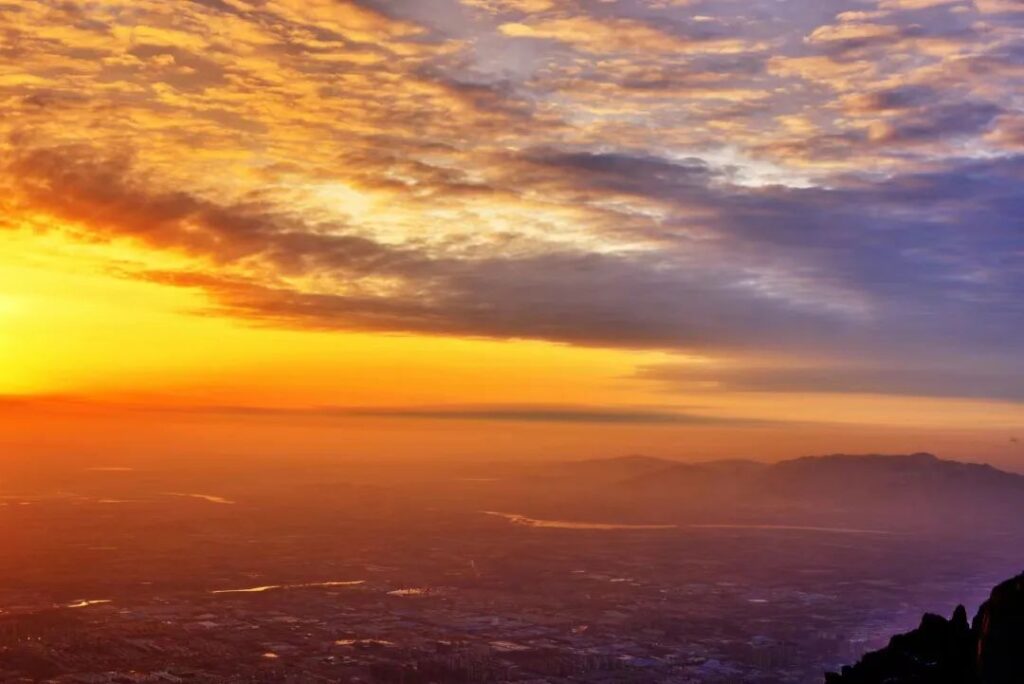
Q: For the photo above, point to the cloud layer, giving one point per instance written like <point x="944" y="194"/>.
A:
<point x="813" y="184"/>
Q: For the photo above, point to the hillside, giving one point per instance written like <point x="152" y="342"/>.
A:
<point x="902" y="492"/>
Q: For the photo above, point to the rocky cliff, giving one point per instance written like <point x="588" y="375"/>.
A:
<point x="990" y="650"/>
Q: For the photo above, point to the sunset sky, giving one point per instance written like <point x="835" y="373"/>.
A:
<point x="512" y="228"/>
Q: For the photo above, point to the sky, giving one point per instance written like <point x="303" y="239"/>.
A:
<point x="512" y="228"/>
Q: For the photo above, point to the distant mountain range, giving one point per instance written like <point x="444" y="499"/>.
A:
<point x="904" y="492"/>
<point x="988" y="651"/>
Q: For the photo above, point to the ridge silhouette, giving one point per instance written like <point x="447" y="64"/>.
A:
<point x="989" y="650"/>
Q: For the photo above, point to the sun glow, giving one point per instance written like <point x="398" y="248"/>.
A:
<point x="73" y="323"/>
<point x="342" y="199"/>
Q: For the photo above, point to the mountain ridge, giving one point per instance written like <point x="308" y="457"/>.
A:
<point x="909" y="492"/>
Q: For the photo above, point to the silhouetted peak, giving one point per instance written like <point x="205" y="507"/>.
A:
<point x="999" y="627"/>
<point x="959" y="619"/>
<point x="989" y="651"/>
<point x="917" y="458"/>
<point x="923" y="456"/>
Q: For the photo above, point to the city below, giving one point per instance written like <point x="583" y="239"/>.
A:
<point x="342" y="573"/>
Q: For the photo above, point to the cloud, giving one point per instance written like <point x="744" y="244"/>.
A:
<point x="998" y="6"/>
<point x="351" y="20"/>
<point x="608" y="36"/>
<point x="511" y="413"/>
<point x="899" y="98"/>
<point x="500" y="413"/>
<point x="524" y="6"/>
<point x="842" y="378"/>
<point x="916" y="4"/>
<point x="852" y="34"/>
<point x="790" y="177"/>
<point x="771" y="267"/>
<point x="943" y="122"/>
<point x="1008" y="133"/>
<point x="100" y="196"/>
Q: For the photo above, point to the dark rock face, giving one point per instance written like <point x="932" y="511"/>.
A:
<point x="940" y="651"/>
<point x="999" y="630"/>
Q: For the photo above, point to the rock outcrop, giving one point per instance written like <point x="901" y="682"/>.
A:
<point x="988" y="651"/>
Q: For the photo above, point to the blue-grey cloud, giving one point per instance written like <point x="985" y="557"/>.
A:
<point x="844" y="379"/>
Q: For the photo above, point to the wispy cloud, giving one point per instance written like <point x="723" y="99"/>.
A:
<point x="500" y="413"/>
<point x="843" y="378"/>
